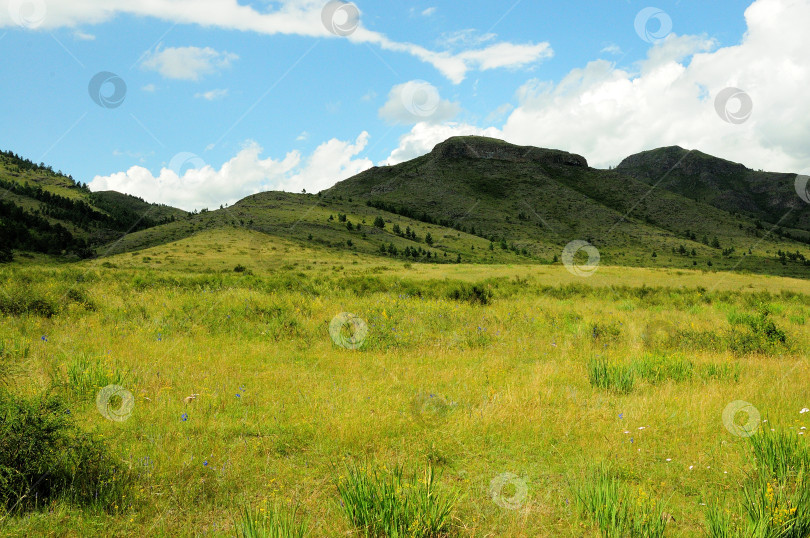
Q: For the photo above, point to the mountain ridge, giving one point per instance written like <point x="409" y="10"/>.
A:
<point x="484" y="200"/>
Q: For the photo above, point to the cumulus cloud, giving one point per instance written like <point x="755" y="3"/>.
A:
<point x="288" y="17"/>
<point x="187" y="63"/>
<point x="417" y="101"/>
<point x="605" y="113"/>
<point x="245" y="174"/>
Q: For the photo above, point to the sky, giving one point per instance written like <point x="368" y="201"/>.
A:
<point x="198" y="103"/>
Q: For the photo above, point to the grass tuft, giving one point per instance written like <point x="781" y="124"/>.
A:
<point x="270" y="522"/>
<point x="616" y="509"/>
<point x="386" y="503"/>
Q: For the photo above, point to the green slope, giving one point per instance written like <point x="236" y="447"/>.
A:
<point x="48" y="212"/>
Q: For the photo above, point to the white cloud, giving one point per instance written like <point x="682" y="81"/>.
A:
<point x="302" y="137"/>
<point x="429" y="11"/>
<point x="289" y="17"/>
<point x="149" y="88"/>
<point x="212" y="95"/>
<point x="612" y="48"/>
<point x="424" y="136"/>
<point x="467" y="38"/>
<point x="245" y="174"/>
<point x="506" y="55"/>
<point x="605" y="113"/>
<point x="417" y="101"/>
<point x="187" y="63"/>
<point x="82" y="36"/>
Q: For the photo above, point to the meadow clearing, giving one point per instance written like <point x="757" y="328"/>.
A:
<point x="510" y="400"/>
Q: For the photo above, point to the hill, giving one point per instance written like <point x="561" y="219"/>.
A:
<point x="766" y="196"/>
<point x="539" y="200"/>
<point x="42" y="210"/>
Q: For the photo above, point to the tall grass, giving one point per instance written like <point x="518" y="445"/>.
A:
<point x="270" y="522"/>
<point x="614" y="377"/>
<point x="86" y="375"/>
<point x="654" y="369"/>
<point x="776" y="494"/>
<point x="617" y="510"/>
<point x="386" y="503"/>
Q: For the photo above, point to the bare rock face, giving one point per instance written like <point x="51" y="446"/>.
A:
<point x="479" y="147"/>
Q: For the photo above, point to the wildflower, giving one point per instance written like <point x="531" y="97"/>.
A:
<point x="642" y="427"/>
<point x="44" y="338"/>
<point x="184" y="417"/>
<point x="804" y="410"/>
<point x="669" y="459"/>
<point x="691" y="467"/>
<point x="621" y="416"/>
<point x="205" y="463"/>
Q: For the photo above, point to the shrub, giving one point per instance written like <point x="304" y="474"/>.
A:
<point x="24" y="300"/>
<point x="755" y="333"/>
<point x="388" y="503"/>
<point x="606" y="332"/>
<point x="471" y="293"/>
<point x="44" y="456"/>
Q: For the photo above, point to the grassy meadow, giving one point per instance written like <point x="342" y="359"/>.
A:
<point x="470" y="400"/>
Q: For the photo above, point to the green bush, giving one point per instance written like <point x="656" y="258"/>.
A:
<point x="606" y="332"/>
<point x="44" y="456"/>
<point x="471" y="293"/>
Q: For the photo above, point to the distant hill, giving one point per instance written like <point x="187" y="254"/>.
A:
<point x="766" y="196"/>
<point x="541" y="199"/>
<point x="46" y="211"/>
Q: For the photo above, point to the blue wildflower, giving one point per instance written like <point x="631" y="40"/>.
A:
<point x="184" y="417"/>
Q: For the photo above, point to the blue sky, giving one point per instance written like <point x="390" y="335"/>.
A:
<point x="262" y="96"/>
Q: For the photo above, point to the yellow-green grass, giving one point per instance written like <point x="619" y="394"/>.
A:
<point x="512" y="377"/>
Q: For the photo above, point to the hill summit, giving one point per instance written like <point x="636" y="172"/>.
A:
<point x="481" y="147"/>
